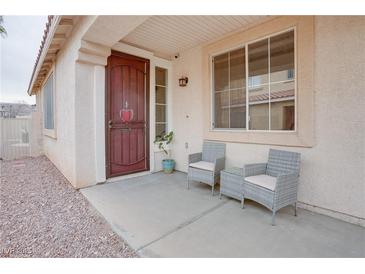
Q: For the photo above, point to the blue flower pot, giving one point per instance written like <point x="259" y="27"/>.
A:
<point x="168" y="165"/>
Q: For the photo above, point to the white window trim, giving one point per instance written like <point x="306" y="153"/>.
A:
<point x="166" y="104"/>
<point x="52" y="133"/>
<point x="245" y="45"/>
<point x="160" y="63"/>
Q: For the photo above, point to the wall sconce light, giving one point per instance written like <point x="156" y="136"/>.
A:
<point x="183" y="81"/>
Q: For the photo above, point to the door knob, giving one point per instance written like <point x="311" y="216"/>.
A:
<point x="110" y="123"/>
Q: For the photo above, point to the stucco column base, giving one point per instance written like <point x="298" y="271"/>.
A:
<point x="89" y="116"/>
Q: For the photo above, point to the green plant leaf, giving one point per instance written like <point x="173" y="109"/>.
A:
<point x="164" y="140"/>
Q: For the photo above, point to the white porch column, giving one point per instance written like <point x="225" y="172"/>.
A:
<point x="99" y="112"/>
<point x="90" y="113"/>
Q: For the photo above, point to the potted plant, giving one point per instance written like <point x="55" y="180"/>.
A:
<point x="163" y="140"/>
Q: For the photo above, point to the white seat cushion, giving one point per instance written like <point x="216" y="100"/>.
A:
<point x="203" y="165"/>
<point x="263" y="180"/>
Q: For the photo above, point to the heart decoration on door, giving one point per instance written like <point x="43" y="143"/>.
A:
<point x="126" y="114"/>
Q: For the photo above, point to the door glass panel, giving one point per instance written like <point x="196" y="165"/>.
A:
<point x="161" y="77"/>
<point x="161" y="101"/>
<point x="160" y="95"/>
<point x="160" y="113"/>
<point x="160" y="129"/>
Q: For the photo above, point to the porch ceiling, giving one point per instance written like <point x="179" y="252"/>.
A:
<point x="169" y="35"/>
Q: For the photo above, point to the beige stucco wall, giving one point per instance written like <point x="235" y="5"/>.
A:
<point x="61" y="150"/>
<point x="187" y="107"/>
<point x="78" y="149"/>
<point x="336" y="177"/>
<point x="333" y="170"/>
<point x="304" y="40"/>
<point x="85" y="125"/>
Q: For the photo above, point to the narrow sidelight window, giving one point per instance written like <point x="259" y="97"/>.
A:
<point x="48" y="104"/>
<point x="269" y="90"/>
<point x="161" y="101"/>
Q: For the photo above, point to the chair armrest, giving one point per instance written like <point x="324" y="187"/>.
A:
<point x="287" y="182"/>
<point x="254" y="169"/>
<point x="219" y="164"/>
<point x="195" y="157"/>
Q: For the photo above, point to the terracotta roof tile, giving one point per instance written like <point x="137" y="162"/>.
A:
<point x="44" y="38"/>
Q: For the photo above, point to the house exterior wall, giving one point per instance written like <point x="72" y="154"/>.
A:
<point x="85" y="163"/>
<point x="333" y="161"/>
<point x="188" y="103"/>
<point x="61" y="150"/>
<point x="304" y="59"/>
<point x="90" y="160"/>
<point x="333" y="170"/>
<point x="78" y="148"/>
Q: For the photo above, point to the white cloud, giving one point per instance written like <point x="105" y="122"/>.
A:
<point x="19" y="50"/>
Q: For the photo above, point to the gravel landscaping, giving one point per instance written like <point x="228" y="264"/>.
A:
<point x="42" y="215"/>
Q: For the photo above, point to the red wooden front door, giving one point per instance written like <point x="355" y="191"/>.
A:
<point x="127" y="79"/>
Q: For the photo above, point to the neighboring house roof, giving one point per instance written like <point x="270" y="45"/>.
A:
<point x="12" y="110"/>
<point x="274" y="95"/>
<point x="239" y="100"/>
<point x="55" y="33"/>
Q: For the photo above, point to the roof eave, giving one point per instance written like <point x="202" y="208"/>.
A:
<point x="53" y="22"/>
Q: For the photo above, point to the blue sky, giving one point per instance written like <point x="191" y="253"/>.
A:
<point x="18" y="53"/>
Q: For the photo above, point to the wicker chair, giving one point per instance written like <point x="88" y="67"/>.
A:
<point x="205" y="167"/>
<point x="273" y="184"/>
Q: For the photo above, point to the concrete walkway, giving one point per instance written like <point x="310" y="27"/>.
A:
<point x="159" y="217"/>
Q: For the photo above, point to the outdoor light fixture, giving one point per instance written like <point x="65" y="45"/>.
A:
<point x="183" y="81"/>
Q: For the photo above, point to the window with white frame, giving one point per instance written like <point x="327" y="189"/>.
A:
<point x="266" y="101"/>
<point x="48" y="104"/>
<point x="161" y="101"/>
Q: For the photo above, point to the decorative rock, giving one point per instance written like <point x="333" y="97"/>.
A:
<point x="42" y="215"/>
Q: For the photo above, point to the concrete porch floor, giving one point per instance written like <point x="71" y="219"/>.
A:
<point x="159" y="217"/>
